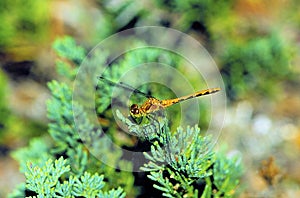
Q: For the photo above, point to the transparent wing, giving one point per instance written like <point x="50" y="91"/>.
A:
<point x="124" y="86"/>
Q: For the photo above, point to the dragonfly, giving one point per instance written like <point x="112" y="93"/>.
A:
<point x="153" y="104"/>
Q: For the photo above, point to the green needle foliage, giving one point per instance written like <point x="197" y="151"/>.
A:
<point x="80" y="178"/>
<point x="45" y="181"/>
<point x="180" y="163"/>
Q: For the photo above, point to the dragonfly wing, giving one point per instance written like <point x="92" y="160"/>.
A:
<point x="124" y="86"/>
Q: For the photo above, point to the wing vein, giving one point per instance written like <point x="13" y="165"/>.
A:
<point x="125" y="86"/>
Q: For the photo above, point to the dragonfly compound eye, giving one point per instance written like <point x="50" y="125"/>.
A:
<point x="134" y="109"/>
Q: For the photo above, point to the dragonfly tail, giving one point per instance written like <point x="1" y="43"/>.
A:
<point x="167" y="103"/>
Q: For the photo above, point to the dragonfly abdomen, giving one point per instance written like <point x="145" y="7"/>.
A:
<point x="167" y="103"/>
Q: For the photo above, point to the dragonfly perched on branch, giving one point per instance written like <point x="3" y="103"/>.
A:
<point x="152" y="104"/>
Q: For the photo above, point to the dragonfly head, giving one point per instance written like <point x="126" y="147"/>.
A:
<point x="136" y="114"/>
<point x="135" y="110"/>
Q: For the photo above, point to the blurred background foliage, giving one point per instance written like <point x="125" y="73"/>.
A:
<point x="255" y="44"/>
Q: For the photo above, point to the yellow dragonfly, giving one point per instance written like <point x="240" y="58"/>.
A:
<point x="153" y="104"/>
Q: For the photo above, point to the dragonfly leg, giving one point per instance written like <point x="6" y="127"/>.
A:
<point x="137" y="120"/>
<point x="157" y="124"/>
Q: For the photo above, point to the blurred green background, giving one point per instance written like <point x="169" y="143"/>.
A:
<point x="255" y="44"/>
